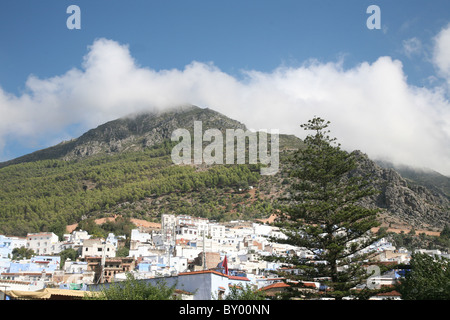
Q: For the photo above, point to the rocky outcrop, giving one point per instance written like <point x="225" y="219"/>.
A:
<point x="140" y="131"/>
<point x="414" y="203"/>
<point x="404" y="199"/>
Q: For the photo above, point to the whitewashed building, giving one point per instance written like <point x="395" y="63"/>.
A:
<point x="98" y="248"/>
<point x="8" y="244"/>
<point x="43" y="243"/>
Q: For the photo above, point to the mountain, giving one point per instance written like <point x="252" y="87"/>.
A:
<point x="406" y="200"/>
<point x="429" y="178"/>
<point x="123" y="162"/>
<point x="132" y="133"/>
<point x="123" y="167"/>
<point x="137" y="132"/>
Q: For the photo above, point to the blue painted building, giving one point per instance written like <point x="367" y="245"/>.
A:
<point x="36" y="264"/>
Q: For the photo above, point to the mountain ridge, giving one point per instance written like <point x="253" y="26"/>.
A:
<point x="139" y="131"/>
<point x="117" y="135"/>
<point x="426" y="177"/>
<point x="129" y="140"/>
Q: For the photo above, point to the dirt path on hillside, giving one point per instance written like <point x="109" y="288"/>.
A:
<point x="137" y="222"/>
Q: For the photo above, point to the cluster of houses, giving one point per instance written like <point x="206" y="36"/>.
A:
<point x="203" y="259"/>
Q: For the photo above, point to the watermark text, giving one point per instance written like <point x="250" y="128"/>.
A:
<point x="235" y="147"/>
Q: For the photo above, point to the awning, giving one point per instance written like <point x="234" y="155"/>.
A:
<point x="47" y="294"/>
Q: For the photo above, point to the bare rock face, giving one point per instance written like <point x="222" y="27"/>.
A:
<point x="402" y="198"/>
<point x="136" y="132"/>
<point x="417" y="204"/>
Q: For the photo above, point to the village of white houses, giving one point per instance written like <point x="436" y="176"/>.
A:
<point x="202" y="258"/>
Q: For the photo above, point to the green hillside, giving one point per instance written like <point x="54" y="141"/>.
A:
<point x="47" y="195"/>
<point x="124" y="167"/>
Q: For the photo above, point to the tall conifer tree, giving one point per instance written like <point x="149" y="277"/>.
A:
<point x="323" y="213"/>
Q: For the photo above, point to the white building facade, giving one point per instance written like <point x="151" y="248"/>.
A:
<point x="43" y="243"/>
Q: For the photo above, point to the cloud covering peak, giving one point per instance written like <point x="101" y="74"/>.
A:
<point x="371" y="106"/>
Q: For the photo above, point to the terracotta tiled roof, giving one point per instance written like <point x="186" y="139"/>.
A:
<point x="47" y="293"/>
<point x="309" y="284"/>
<point x="182" y="241"/>
<point x="14" y="281"/>
<point x="238" y="278"/>
<point x="390" y="293"/>
<point x="276" y="285"/>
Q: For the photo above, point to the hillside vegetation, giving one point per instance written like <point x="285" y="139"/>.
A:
<point x="47" y="195"/>
<point x="124" y="167"/>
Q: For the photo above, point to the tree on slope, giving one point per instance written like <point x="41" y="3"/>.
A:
<point x="427" y="279"/>
<point x="323" y="213"/>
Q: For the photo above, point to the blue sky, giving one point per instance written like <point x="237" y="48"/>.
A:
<point x="248" y="44"/>
<point x="239" y="34"/>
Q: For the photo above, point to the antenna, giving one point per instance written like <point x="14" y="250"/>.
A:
<point x="102" y="266"/>
<point x="173" y="238"/>
<point x="204" y="253"/>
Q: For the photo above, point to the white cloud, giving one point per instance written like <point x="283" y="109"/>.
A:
<point x="412" y="47"/>
<point x="441" y="54"/>
<point x="371" y="106"/>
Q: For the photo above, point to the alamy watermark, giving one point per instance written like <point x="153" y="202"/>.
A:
<point x="374" y="21"/>
<point x="235" y="147"/>
<point x="74" y="20"/>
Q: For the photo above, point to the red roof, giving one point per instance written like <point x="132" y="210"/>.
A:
<point x="238" y="278"/>
<point x="309" y="284"/>
<point x="276" y="285"/>
<point x="182" y="241"/>
<point x="390" y="293"/>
